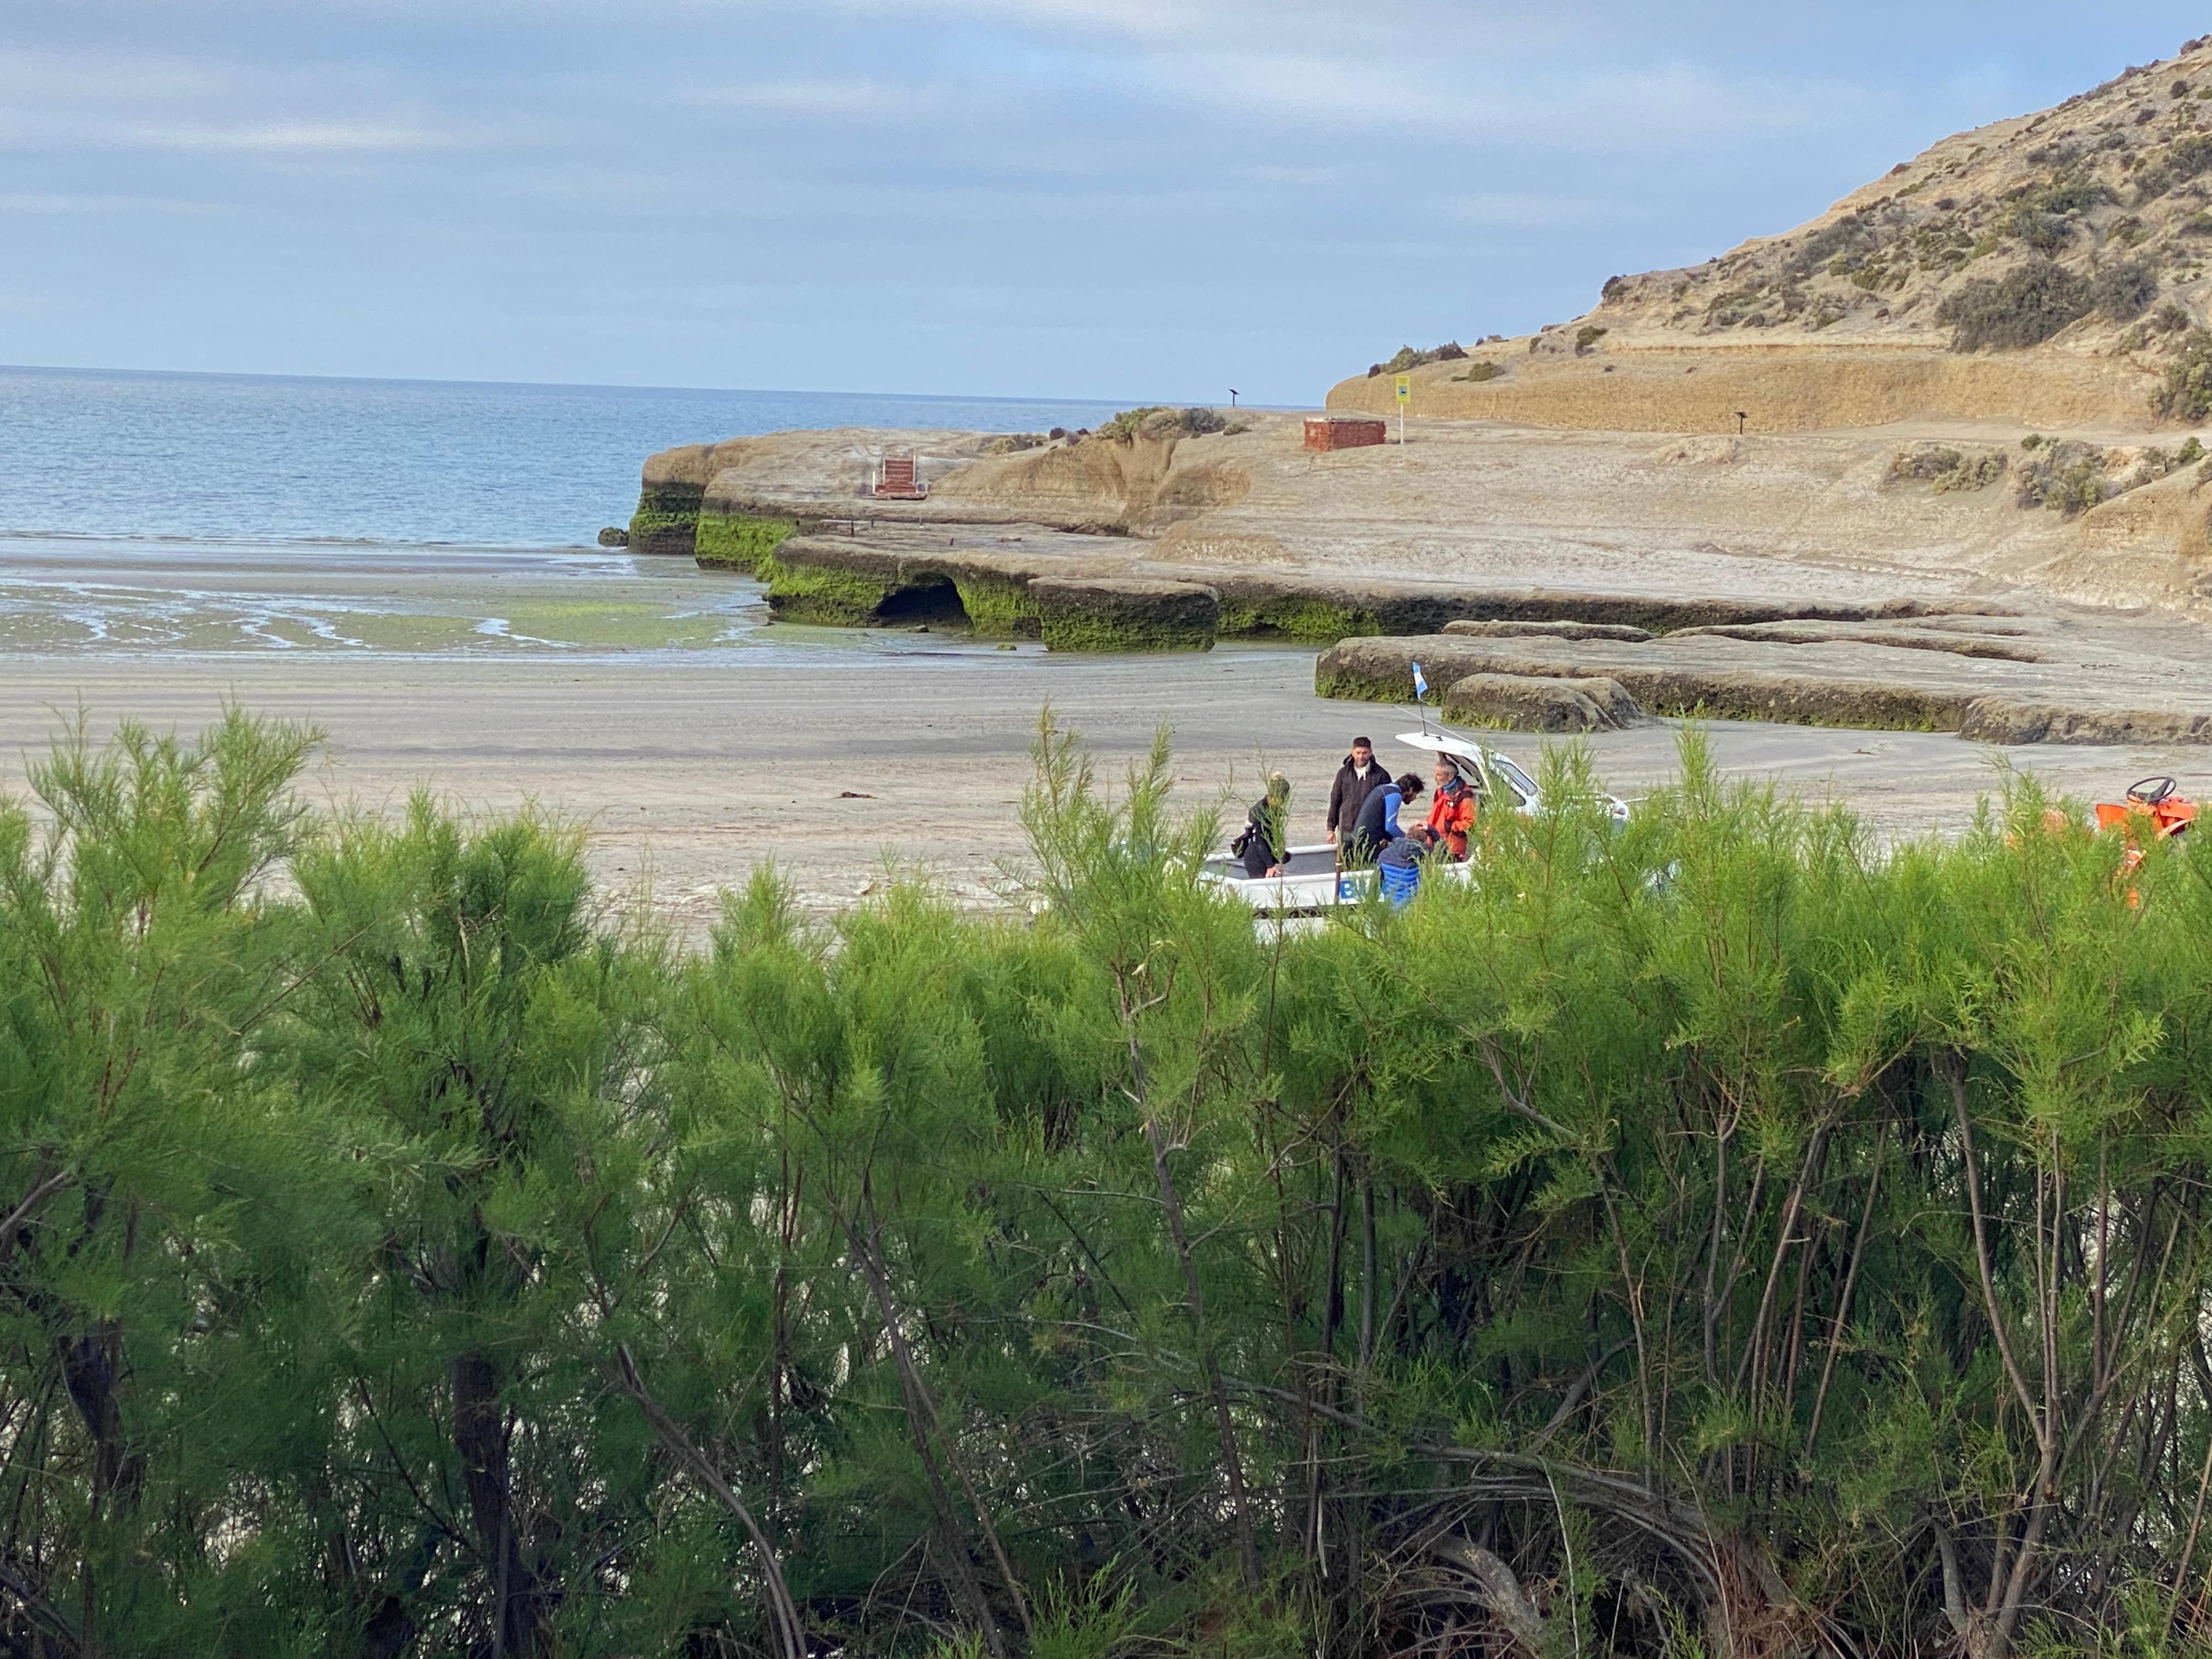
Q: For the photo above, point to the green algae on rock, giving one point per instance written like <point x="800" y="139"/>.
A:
<point x="743" y="542"/>
<point x="1125" y="613"/>
<point x="1307" y="619"/>
<point x="1852" y="683"/>
<point x="840" y="595"/>
<point x="998" y="606"/>
<point x="667" y="518"/>
<point x="1529" y="702"/>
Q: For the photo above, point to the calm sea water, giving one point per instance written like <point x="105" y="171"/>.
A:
<point x="258" y="457"/>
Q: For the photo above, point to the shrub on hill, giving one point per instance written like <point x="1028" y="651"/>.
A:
<point x="2068" y="476"/>
<point x="2186" y="394"/>
<point x="1407" y="358"/>
<point x="2122" y="293"/>
<point x="1947" y="469"/>
<point x="2187" y="157"/>
<point x="2024" y="307"/>
<point x="1158" y="420"/>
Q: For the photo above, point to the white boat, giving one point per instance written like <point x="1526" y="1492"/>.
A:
<point x="1312" y="879"/>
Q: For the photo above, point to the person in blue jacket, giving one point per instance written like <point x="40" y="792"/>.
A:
<point x="1378" y="825"/>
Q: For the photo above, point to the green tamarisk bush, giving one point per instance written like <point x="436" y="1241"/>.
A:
<point x="1717" y="1233"/>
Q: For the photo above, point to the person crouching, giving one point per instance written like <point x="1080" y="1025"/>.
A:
<point x="1263" y="844"/>
<point x="1378" y="826"/>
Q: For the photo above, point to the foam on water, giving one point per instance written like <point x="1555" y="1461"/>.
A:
<point x="208" y="514"/>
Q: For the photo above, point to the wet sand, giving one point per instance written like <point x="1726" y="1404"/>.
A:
<point x="689" y="775"/>
<point x="698" y="739"/>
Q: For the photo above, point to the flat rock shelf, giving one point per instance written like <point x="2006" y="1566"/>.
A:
<point x="2044" y="686"/>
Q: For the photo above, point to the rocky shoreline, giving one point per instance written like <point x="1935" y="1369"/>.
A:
<point x="1162" y="541"/>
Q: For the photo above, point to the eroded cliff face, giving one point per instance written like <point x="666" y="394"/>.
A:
<point x="1138" y="485"/>
<point x="709" y="498"/>
<point x="2051" y="268"/>
<point x="779" y="476"/>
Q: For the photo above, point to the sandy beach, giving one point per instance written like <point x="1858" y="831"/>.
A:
<point x="698" y="739"/>
<point x="690" y="775"/>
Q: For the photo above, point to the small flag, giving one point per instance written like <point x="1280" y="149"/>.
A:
<point x="1421" y="684"/>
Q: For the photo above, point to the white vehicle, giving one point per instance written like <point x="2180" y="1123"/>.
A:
<point x="1314" y="881"/>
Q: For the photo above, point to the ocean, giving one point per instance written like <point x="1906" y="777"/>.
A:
<point x="205" y="515"/>
<point x="250" y="458"/>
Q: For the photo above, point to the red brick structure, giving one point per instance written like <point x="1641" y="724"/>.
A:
<point x="1344" y="431"/>
<point x="895" y="479"/>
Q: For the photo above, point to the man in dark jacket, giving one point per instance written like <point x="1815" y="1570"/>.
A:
<point x="1359" y="776"/>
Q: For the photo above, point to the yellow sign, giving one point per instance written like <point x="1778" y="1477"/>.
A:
<point x="1405" y="388"/>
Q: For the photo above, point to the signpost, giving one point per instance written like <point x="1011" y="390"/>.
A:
<point x="1405" y="396"/>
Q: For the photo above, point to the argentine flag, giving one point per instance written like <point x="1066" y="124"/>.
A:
<point x="1421" y="684"/>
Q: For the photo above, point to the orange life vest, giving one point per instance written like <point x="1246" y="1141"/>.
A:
<point x="1451" y="817"/>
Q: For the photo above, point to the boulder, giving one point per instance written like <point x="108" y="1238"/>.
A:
<point x="1125" y="613"/>
<point x="1529" y="702"/>
<point x="614" y="536"/>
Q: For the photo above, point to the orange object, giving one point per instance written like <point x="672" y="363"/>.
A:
<point x="1451" y="816"/>
<point x="2155" y="805"/>
<point x="2155" y="802"/>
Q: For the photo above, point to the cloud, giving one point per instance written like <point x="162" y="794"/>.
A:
<point x="287" y="138"/>
<point x="51" y="202"/>
<point x="1595" y="107"/>
<point x="872" y="100"/>
<point x="782" y="174"/>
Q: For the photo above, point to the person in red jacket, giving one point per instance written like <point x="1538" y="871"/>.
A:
<point x="1451" y="814"/>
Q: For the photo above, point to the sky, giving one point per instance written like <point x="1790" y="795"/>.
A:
<point x="1155" y="200"/>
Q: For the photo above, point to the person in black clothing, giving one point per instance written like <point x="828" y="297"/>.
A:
<point x="1359" y="776"/>
<point x="1266" y="831"/>
<point x="1377" y="823"/>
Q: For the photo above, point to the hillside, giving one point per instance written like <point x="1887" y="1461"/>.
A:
<point x="2051" y="269"/>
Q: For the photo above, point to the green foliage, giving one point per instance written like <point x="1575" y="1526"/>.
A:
<point x="2070" y="476"/>
<point x="2183" y="160"/>
<point x="2024" y="307"/>
<point x="1847" y="240"/>
<point x="1706" y="1235"/>
<point x="2186" y="391"/>
<point x="1586" y="337"/>
<point x="1947" y="469"/>
<point x="2122" y="293"/>
<point x="1158" y="421"/>
<point x="1407" y="358"/>
<point x="1481" y="369"/>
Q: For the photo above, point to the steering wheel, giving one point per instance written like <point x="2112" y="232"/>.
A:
<point x="2153" y="790"/>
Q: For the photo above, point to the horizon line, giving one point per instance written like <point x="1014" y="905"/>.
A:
<point x="576" y="386"/>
